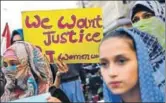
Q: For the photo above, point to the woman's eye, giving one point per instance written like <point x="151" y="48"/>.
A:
<point x="13" y="63"/>
<point x="135" y="19"/>
<point x="147" y="15"/>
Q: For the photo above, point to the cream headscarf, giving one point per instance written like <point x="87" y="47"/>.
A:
<point x="33" y="68"/>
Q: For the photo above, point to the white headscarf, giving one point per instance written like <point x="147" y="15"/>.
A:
<point x="153" y="5"/>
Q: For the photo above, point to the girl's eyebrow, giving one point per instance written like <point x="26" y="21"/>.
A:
<point x="103" y="59"/>
<point x="119" y="56"/>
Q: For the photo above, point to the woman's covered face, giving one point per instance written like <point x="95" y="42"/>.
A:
<point x="118" y="64"/>
<point x="13" y="64"/>
<point x="141" y="15"/>
<point x="10" y="59"/>
<point x="10" y="62"/>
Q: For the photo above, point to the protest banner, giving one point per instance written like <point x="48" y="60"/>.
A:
<point x="72" y="35"/>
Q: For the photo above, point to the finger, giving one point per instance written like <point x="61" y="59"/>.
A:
<point x="53" y="99"/>
<point x="62" y="63"/>
<point x="65" y="66"/>
<point x="48" y="98"/>
<point x="62" y="69"/>
<point x="57" y="63"/>
<point x="56" y="100"/>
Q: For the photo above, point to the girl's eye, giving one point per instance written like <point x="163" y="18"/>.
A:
<point x="104" y="64"/>
<point x="121" y="61"/>
<point x="5" y="64"/>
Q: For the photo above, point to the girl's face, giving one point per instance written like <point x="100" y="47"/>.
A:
<point x="118" y="65"/>
<point x="141" y="15"/>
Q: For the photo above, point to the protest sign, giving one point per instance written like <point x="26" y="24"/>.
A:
<point x="72" y="35"/>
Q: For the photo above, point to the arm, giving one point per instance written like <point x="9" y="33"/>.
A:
<point x="62" y="68"/>
<point x="57" y="80"/>
<point x="57" y="95"/>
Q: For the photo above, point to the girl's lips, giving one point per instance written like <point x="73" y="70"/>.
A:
<point x="115" y="84"/>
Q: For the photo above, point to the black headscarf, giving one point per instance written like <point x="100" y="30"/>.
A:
<point x="139" y="8"/>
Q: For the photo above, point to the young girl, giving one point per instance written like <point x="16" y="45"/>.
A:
<point x="127" y="70"/>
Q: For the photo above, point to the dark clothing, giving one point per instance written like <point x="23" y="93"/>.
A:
<point x="58" y="93"/>
<point x="73" y="71"/>
<point x="95" y="83"/>
<point x="2" y="83"/>
<point x="53" y="70"/>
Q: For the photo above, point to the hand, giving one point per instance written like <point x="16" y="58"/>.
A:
<point x="62" y="67"/>
<point x="53" y="99"/>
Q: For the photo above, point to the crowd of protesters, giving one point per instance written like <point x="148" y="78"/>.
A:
<point x="131" y="64"/>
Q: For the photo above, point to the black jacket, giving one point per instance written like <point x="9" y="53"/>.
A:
<point x="58" y="93"/>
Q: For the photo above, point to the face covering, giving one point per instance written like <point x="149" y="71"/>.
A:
<point x="11" y="68"/>
<point x="153" y="26"/>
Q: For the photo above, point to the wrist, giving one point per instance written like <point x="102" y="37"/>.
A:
<point x="58" y="74"/>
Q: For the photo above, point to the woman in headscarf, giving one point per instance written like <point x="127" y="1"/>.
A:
<point x="127" y="69"/>
<point x="17" y="35"/>
<point x="26" y="71"/>
<point x="149" y="16"/>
